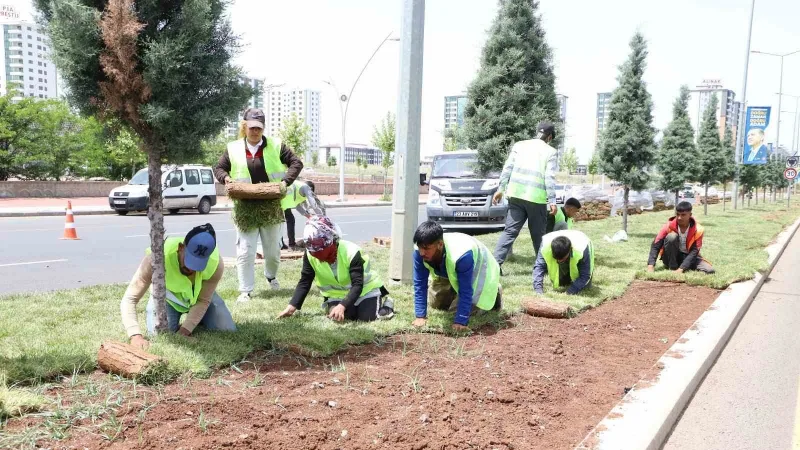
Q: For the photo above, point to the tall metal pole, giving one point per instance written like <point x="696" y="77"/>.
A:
<point x="740" y="144"/>
<point x="405" y="206"/>
<point x="780" y="97"/>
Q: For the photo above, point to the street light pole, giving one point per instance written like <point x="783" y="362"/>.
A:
<point x="344" y="105"/>
<point x="405" y="204"/>
<point x="780" y="91"/>
<point x="740" y="144"/>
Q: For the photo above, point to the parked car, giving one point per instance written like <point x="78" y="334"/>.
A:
<point x="561" y="192"/>
<point x="460" y="198"/>
<point x="184" y="187"/>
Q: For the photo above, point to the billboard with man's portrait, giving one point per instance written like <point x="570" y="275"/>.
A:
<point x="756" y="149"/>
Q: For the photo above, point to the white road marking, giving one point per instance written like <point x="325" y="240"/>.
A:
<point x="33" y="262"/>
<point x="364" y="221"/>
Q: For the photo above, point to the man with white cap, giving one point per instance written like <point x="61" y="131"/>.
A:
<point x="193" y="270"/>
<point x="347" y="281"/>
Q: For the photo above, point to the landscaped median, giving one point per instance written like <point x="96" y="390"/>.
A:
<point x="44" y="336"/>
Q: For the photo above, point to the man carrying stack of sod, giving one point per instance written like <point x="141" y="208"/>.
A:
<point x="567" y="258"/>
<point x="256" y="158"/>
<point x="528" y="180"/>
<point x="193" y="270"/>
<point x="466" y="278"/>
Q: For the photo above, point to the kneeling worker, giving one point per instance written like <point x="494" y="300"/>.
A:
<point x="679" y="242"/>
<point x="563" y="219"/>
<point x="466" y="278"/>
<point x="193" y="270"/>
<point x="567" y="257"/>
<point x="352" y="290"/>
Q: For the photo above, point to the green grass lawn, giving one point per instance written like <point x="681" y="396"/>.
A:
<point x="46" y="335"/>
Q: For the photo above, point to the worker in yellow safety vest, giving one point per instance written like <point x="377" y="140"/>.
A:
<point x="466" y="278"/>
<point x="344" y="275"/>
<point x="255" y="158"/>
<point x="528" y="181"/>
<point x="193" y="269"/>
<point x="567" y="258"/>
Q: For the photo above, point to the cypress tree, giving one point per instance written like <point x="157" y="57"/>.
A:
<point x="677" y="157"/>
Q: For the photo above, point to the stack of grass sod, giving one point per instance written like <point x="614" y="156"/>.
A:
<point x="51" y="334"/>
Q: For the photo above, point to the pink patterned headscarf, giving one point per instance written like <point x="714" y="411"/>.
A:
<point x="319" y="233"/>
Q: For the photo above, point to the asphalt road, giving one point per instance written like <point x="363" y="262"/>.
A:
<point x="111" y="247"/>
<point x="750" y="399"/>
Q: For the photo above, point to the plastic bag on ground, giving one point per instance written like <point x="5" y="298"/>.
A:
<point x="586" y="193"/>
<point x="643" y="201"/>
<point x="619" y="236"/>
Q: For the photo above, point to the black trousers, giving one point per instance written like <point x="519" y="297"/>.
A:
<point x="287" y="213"/>
<point x="673" y="257"/>
<point x="366" y="311"/>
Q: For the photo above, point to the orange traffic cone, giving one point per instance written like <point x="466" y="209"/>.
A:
<point x="69" y="224"/>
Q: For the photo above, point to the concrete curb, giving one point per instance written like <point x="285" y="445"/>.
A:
<point x="644" y="418"/>
<point x="93" y="212"/>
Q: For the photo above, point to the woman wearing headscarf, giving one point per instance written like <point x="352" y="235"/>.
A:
<point x="256" y="158"/>
<point x="349" y="284"/>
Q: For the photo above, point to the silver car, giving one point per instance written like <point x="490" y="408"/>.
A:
<point x="459" y="198"/>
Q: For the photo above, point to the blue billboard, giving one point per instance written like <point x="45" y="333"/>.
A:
<point x="756" y="149"/>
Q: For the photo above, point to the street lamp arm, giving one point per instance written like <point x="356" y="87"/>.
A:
<point x="363" y="69"/>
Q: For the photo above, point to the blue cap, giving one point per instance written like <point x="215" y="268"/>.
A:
<point x="198" y="250"/>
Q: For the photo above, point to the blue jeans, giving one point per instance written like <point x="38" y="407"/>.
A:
<point x="217" y="316"/>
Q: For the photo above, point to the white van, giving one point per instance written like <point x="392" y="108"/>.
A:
<point x="186" y="186"/>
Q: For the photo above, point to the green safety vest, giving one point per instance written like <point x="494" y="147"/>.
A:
<point x="579" y="243"/>
<point x="237" y="153"/>
<point x="560" y="217"/>
<point x="181" y="293"/>
<point x="337" y="286"/>
<point x="293" y="195"/>
<point x="527" y="178"/>
<point x="485" y="275"/>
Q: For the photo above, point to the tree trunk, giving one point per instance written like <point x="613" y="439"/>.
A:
<point x="756" y="196"/>
<point x="124" y="359"/>
<point x="625" y="208"/>
<point x="544" y="308"/>
<point x="155" y="212"/>
<point x="764" y="194"/>
<point x="676" y="196"/>
<point x="705" y="202"/>
<point x="385" y="177"/>
<point x="724" y="191"/>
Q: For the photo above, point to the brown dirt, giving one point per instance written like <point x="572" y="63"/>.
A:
<point x="537" y="384"/>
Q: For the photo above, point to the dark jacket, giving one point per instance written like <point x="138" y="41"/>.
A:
<point x="256" y="165"/>
<point x="694" y="242"/>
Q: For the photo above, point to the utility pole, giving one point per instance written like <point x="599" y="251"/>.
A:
<point x="405" y="205"/>
<point x="743" y="109"/>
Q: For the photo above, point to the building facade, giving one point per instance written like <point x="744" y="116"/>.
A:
<point x="256" y="101"/>
<point x="282" y="102"/>
<point x="728" y="109"/>
<point x="27" y="68"/>
<point x="602" y="113"/>
<point x="454" y="110"/>
<point x="373" y="156"/>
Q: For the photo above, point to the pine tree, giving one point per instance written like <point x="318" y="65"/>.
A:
<point x="677" y="157"/>
<point x="162" y="68"/>
<point x="515" y="87"/>
<point x="711" y="155"/>
<point x="728" y="171"/>
<point x="627" y="147"/>
<point x="594" y="166"/>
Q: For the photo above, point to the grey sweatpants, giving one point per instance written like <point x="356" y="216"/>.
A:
<point x="520" y="211"/>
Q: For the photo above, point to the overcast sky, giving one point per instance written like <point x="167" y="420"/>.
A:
<point x="302" y="42"/>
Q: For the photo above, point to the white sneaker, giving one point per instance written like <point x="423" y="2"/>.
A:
<point x="274" y="285"/>
<point x="244" y="297"/>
